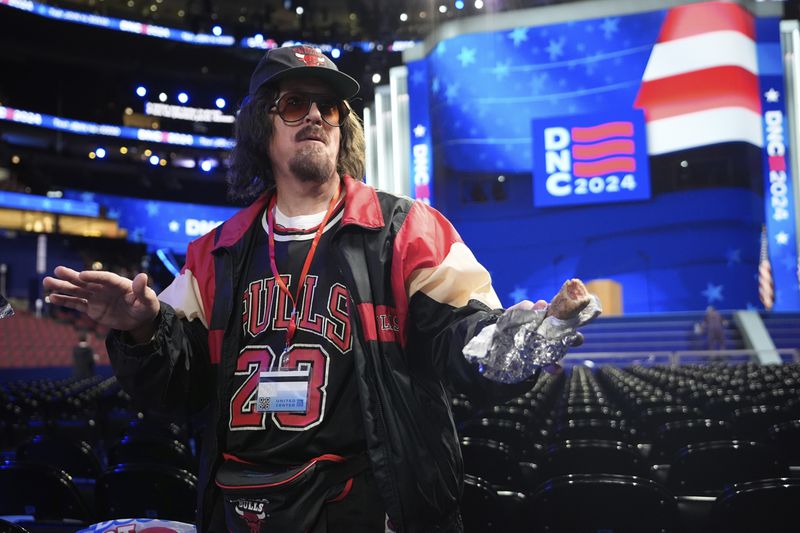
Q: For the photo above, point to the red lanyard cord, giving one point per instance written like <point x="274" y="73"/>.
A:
<point x="306" y="265"/>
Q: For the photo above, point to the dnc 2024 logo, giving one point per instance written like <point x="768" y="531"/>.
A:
<point x="590" y="159"/>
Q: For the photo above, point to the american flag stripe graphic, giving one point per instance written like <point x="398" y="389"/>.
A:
<point x="700" y="86"/>
<point x="766" y="291"/>
<point x="603" y="149"/>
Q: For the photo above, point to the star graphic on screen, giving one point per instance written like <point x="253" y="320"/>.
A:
<point x="519" y="35"/>
<point x="451" y="92"/>
<point x="417" y="77"/>
<point x="518" y="294"/>
<point x="113" y="214"/>
<point x="713" y="293"/>
<point x="537" y="82"/>
<point x="501" y="69"/>
<point x="610" y="26"/>
<point x="441" y="48"/>
<point x="137" y="234"/>
<point x="782" y="238"/>
<point x="152" y="209"/>
<point x="87" y="197"/>
<point x="733" y="256"/>
<point x="174" y="226"/>
<point x="466" y="56"/>
<point x="772" y="96"/>
<point x="556" y="48"/>
<point x="419" y="130"/>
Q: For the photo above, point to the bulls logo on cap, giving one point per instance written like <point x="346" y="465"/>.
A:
<point x="312" y="57"/>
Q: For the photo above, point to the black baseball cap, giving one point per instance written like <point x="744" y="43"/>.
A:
<point x="302" y="60"/>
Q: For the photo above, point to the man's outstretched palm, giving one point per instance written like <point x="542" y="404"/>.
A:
<point x="105" y="297"/>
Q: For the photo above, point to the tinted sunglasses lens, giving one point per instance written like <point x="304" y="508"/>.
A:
<point x="293" y="107"/>
<point x="329" y="109"/>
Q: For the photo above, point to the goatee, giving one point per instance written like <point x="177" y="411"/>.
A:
<point x="312" y="165"/>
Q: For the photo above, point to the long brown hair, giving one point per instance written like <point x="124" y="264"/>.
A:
<point x="250" y="168"/>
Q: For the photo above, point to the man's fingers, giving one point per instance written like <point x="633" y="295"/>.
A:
<point x="64" y="287"/>
<point x="79" y="304"/>
<point x="108" y="279"/>
<point x="140" y="286"/>
<point x="553" y="369"/>
<point x="67" y="274"/>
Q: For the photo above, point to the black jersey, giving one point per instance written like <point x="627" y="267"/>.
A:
<point x="323" y="340"/>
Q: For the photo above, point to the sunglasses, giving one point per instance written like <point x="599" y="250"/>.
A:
<point x="293" y="107"/>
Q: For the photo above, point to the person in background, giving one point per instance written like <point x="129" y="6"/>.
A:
<point x="83" y="358"/>
<point x="714" y="327"/>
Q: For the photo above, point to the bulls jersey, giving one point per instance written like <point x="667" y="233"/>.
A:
<point x="323" y="341"/>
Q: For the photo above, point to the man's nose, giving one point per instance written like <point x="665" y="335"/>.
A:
<point x="314" y="114"/>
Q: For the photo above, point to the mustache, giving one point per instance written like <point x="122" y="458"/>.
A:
<point x="311" y="131"/>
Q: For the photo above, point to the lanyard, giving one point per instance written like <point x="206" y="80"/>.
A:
<point x="306" y="265"/>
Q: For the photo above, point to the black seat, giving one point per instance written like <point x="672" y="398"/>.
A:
<point x="492" y="461"/>
<point x="785" y="438"/>
<point x="584" y="503"/>
<point x="673" y="436"/>
<point x="8" y="527"/>
<point x="75" y="457"/>
<point x="508" y="432"/>
<point x="146" y="491"/>
<point x="707" y="467"/>
<point x="599" y="429"/>
<point x="508" y="412"/>
<point x="752" y="422"/>
<point x="586" y="456"/>
<point x="764" y="505"/>
<point x="581" y="412"/>
<point x="480" y="509"/>
<point x="41" y="491"/>
<point x="135" y="449"/>
<point x="654" y="417"/>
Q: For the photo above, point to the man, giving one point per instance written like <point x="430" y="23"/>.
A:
<point x="83" y="358"/>
<point x="354" y="304"/>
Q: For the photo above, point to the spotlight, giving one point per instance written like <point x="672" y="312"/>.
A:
<point x="442" y="8"/>
<point x="123" y="150"/>
<point x="403" y="17"/>
<point x="206" y="165"/>
<point x="459" y="4"/>
<point x="220" y="103"/>
<point x="154" y="159"/>
<point x="141" y="91"/>
<point x="162" y="97"/>
<point x="100" y="152"/>
<point x="336" y="53"/>
<point x="183" y="98"/>
<point x="217" y="30"/>
<point x="376" y="78"/>
<point x="299" y="10"/>
<point x="478" y="4"/>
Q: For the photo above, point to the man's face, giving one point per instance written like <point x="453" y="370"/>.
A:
<point x="307" y="149"/>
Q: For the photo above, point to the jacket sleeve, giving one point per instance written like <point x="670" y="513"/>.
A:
<point x="449" y="298"/>
<point x="172" y="372"/>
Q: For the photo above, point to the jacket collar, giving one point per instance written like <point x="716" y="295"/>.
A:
<point x="361" y="208"/>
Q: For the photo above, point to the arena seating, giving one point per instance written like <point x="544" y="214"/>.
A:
<point x="658" y="448"/>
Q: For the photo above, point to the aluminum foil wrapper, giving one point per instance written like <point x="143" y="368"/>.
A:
<point x="5" y="308"/>
<point x="523" y="341"/>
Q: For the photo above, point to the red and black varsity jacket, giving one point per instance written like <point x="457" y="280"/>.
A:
<point x="419" y="295"/>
